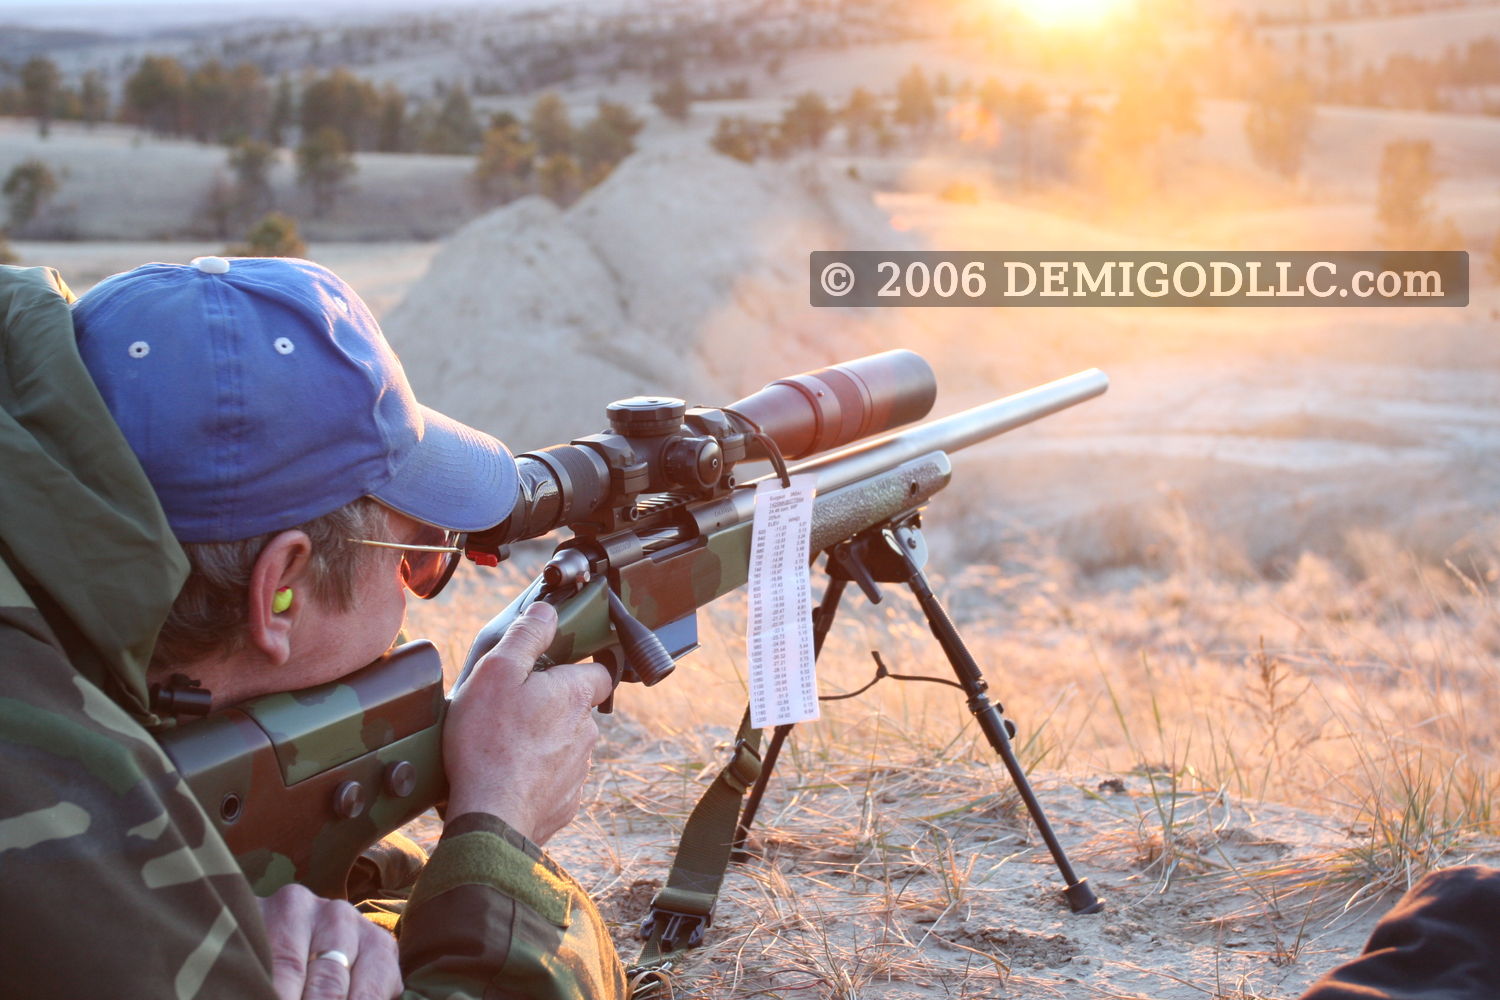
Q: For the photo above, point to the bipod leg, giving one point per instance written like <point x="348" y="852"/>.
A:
<point x="822" y="622"/>
<point x="752" y="803"/>
<point x="901" y="538"/>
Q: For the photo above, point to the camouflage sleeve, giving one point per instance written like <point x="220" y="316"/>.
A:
<point x="493" y="916"/>
<point x="1437" y="943"/>
<point x="113" y="884"/>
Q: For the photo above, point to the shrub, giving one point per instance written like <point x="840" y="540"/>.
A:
<point x="275" y="235"/>
<point x="28" y="187"/>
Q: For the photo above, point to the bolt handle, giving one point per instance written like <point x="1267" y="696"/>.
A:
<point x="645" y="655"/>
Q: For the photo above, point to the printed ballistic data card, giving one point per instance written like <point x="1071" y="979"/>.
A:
<point x="783" y="684"/>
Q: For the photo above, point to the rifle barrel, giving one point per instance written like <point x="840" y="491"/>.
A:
<point x="952" y="433"/>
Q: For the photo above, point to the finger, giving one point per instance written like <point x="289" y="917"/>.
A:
<point x="288" y="915"/>
<point x="327" y="978"/>
<point x="377" y="970"/>
<point x="527" y="638"/>
<point x="592" y="678"/>
<point x="336" y="929"/>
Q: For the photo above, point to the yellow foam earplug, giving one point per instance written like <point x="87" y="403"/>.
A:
<point x="282" y="600"/>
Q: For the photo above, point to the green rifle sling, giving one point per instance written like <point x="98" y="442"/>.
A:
<point x="703" y="854"/>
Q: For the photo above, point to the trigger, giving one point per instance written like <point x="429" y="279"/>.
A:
<point x="607" y="706"/>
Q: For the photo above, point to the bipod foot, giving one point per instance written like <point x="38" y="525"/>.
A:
<point x="1081" y="898"/>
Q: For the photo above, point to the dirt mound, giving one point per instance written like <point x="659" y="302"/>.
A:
<point x="685" y="273"/>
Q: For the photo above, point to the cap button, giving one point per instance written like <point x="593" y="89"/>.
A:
<point x="211" y="265"/>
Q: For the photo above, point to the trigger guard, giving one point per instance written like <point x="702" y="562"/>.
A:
<point x="616" y="672"/>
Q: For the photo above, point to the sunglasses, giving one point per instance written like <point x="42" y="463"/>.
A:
<point x="428" y="561"/>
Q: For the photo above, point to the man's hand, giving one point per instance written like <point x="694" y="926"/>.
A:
<point x="301" y="926"/>
<point x="517" y="743"/>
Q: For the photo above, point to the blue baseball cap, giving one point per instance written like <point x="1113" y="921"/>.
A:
<point x="259" y="394"/>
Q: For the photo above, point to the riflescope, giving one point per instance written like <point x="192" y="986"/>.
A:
<point x="661" y="448"/>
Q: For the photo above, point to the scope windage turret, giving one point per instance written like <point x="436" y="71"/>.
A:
<point x="657" y="444"/>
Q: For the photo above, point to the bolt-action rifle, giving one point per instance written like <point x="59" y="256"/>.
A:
<point x="300" y="783"/>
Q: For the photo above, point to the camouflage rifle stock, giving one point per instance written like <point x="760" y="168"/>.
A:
<point x="300" y="783"/>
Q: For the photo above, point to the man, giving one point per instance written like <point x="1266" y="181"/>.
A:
<point x="281" y="444"/>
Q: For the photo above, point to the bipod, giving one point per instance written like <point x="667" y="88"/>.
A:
<point x="895" y="552"/>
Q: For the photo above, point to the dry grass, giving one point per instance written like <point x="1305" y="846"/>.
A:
<point x="1179" y="728"/>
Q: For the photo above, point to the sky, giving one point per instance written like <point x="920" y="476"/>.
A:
<point x="133" y="16"/>
<point x="126" y="6"/>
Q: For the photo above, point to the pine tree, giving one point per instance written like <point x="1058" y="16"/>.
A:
<point x="221" y="205"/>
<point x="283" y="111"/>
<point x="549" y="126"/>
<point x="1021" y="109"/>
<point x="453" y="129"/>
<point x="861" y="116"/>
<point x="806" y="122"/>
<point x="1278" y="124"/>
<point x="916" y="108"/>
<point x="251" y="161"/>
<point x="248" y="110"/>
<point x="1404" y="186"/>
<point x="39" y="84"/>
<point x="393" y="131"/>
<point x="993" y="97"/>
<point x="324" y="166"/>
<point x="505" y="161"/>
<point x="740" y="138"/>
<point x="93" y="99"/>
<point x="344" y="102"/>
<point x="607" y="138"/>
<point x="207" y="101"/>
<point x="156" y="95"/>
<point x="560" y="178"/>
<point x="675" y="100"/>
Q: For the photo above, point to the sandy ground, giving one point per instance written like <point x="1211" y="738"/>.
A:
<point x="881" y="888"/>
<point x="976" y="909"/>
<point x="893" y="859"/>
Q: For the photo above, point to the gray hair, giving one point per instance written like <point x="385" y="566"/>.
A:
<point x="208" y="616"/>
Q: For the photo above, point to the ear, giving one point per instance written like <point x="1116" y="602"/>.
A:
<point x="282" y="563"/>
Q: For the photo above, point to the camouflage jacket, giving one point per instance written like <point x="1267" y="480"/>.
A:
<point x="1437" y="943"/>
<point x="112" y="880"/>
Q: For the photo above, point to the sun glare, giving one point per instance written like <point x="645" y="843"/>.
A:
<point x="1068" y="13"/>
